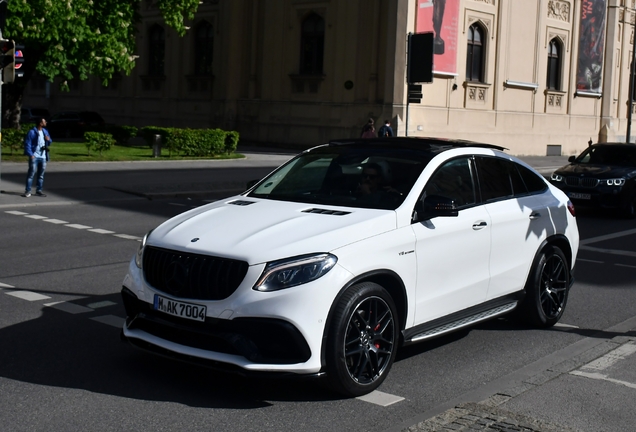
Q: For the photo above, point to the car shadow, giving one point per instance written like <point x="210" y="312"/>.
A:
<point x="73" y="350"/>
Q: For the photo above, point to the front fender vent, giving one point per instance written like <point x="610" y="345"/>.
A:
<point x="326" y="212"/>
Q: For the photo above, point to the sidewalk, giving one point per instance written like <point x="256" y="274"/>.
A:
<point x="589" y="386"/>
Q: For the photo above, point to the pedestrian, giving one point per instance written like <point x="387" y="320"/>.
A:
<point x="36" y="147"/>
<point x="369" y="125"/>
<point x="385" y="130"/>
<point x="369" y="131"/>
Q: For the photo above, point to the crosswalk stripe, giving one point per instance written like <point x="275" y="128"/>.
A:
<point x="28" y="295"/>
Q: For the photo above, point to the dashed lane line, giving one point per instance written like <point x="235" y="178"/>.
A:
<point x="111" y="320"/>
<point x="73" y="225"/>
<point x="380" y="398"/>
<point x="6" y="286"/>
<point x="28" y="295"/>
<point x="69" y="307"/>
<point x="101" y="304"/>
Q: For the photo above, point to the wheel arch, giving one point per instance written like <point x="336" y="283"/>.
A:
<point x="387" y="279"/>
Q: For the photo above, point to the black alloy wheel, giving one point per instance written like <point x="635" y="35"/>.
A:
<point x="547" y="289"/>
<point x="629" y="209"/>
<point x="363" y="339"/>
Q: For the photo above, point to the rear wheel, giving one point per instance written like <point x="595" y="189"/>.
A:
<point x="546" y="289"/>
<point x="363" y="339"/>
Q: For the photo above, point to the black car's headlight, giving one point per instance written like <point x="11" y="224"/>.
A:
<point x="614" y="182"/>
<point x="139" y="256"/>
<point x="294" y="271"/>
<point x="556" y="177"/>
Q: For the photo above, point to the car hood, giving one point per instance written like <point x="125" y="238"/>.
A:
<point x="258" y="231"/>
<point x="591" y="170"/>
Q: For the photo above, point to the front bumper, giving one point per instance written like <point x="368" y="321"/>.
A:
<point x="601" y="196"/>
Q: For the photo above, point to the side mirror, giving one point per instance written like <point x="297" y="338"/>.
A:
<point x="435" y="206"/>
<point x="571" y="158"/>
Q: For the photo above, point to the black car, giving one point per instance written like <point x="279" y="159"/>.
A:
<point x="73" y="124"/>
<point x="604" y="175"/>
<point x="32" y="115"/>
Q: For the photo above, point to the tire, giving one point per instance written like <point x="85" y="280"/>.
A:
<point x="363" y="339"/>
<point x="547" y="289"/>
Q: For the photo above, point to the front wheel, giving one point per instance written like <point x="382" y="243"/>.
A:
<point x="546" y="289"/>
<point x="363" y="339"/>
<point x="629" y="209"/>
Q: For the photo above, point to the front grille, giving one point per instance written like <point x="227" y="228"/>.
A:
<point x="192" y="276"/>
<point x="581" y="181"/>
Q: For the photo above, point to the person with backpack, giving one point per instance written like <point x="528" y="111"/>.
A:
<point x="385" y="130"/>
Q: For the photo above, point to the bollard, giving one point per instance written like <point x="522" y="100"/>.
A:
<point x="156" y="146"/>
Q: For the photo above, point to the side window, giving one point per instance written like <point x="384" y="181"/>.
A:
<point x="453" y="180"/>
<point x="494" y="178"/>
<point x="534" y="183"/>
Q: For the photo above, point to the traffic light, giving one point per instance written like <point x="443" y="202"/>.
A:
<point x="415" y="93"/>
<point x="7" y="52"/>
<point x="11" y="59"/>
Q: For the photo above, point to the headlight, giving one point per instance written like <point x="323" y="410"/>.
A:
<point x="555" y="177"/>
<point x="615" y="182"/>
<point x="139" y="256"/>
<point x="294" y="271"/>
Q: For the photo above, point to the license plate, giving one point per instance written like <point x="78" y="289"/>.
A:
<point x="180" y="309"/>
<point x="577" y="195"/>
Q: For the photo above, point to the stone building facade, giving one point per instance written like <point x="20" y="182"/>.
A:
<point x="535" y="76"/>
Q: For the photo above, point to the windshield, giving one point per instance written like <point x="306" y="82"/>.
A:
<point x="349" y="176"/>
<point x="620" y="155"/>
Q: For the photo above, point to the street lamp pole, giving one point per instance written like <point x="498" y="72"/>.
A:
<point x="631" y="89"/>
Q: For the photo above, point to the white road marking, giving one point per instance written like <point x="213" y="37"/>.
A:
<point x="101" y="231"/>
<point x="625" y="265"/>
<point x="591" y="261"/>
<point x="599" y="376"/>
<point x="128" y="237"/>
<point x="111" y="320"/>
<point x="101" y="304"/>
<point x="611" y="357"/>
<point x="608" y="251"/>
<point x="565" y="325"/>
<point x="178" y="204"/>
<point x="28" y="295"/>
<point x="6" y="286"/>
<point x="380" y="398"/>
<point x="55" y="221"/>
<point x="78" y="226"/>
<point x="36" y="217"/>
<point x="15" y="212"/>
<point x="607" y="237"/>
<point x="71" y="308"/>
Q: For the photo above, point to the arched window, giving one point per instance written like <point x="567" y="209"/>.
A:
<point x="312" y="43"/>
<point x="203" y="49"/>
<point x="475" y="55"/>
<point x="156" y="50"/>
<point x="554" y="65"/>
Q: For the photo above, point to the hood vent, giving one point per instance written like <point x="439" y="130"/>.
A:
<point x="241" y="202"/>
<point x="326" y="212"/>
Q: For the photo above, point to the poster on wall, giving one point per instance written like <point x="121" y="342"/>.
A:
<point x="440" y="17"/>
<point x="591" y="46"/>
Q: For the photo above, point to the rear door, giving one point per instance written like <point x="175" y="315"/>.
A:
<point x="520" y="221"/>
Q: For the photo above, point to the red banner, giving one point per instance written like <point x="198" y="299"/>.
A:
<point x="440" y="17"/>
<point x="591" y="46"/>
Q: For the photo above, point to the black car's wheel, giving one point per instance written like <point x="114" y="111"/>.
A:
<point x="363" y="339"/>
<point x="546" y="289"/>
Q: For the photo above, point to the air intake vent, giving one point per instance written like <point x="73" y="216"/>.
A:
<point x="241" y="202"/>
<point x="326" y="212"/>
<point x="192" y="276"/>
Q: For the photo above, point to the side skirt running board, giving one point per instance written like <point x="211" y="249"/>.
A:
<point x="462" y="322"/>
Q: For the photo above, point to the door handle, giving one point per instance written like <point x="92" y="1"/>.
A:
<point x="479" y="225"/>
<point x="535" y="215"/>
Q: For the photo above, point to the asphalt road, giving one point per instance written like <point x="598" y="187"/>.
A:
<point x="63" y="367"/>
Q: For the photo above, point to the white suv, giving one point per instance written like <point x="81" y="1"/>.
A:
<point x="348" y="251"/>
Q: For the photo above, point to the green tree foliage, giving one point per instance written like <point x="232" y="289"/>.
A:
<point x="75" y="39"/>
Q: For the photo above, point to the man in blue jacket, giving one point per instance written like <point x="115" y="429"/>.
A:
<point x="36" y="147"/>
